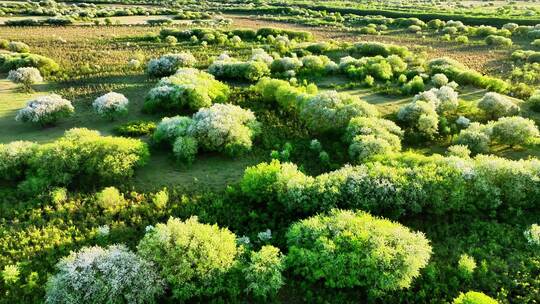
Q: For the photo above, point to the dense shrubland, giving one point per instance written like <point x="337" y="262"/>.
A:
<point x="305" y="223"/>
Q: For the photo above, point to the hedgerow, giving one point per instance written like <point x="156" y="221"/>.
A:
<point x="399" y="185"/>
<point x="13" y="61"/>
<point x="92" y="157"/>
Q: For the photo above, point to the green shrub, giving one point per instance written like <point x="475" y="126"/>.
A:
<point x="342" y="250"/>
<point x="498" y="40"/>
<point x="13" y="61"/>
<point x="377" y="48"/>
<point x="534" y="101"/>
<point x="136" y="128"/>
<point x="473" y="297"/>
<point x="466" y="266"/>
<point x="111" y="199"/>
<point x="250" y="70"/>
<point x="462" y="39"/>
<point x="331" y="111"/>
<point x="187" y="89"/>
<point x="185" y="148"/>
<point x="81" y="156"/>
<point x="263" y="272"/>
<point x="14" y="159"/>
<point x="193" y="258"/>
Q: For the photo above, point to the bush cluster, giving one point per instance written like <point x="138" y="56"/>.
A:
<point x="111" y="105"/>
<point x="343" y="250"/>
<point x="13" y="61"/>
<point x="457" y="72"/>
<point x="80" y="156"/>
<point x="168" y="64"/>
<point x="252" y="70"/>
<point x="399" y="185"/>
<point x="45" y="110"/>
<point x="187" y="89"/>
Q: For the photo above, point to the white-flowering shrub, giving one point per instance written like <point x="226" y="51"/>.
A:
<point x="444" y="99"/>
<point x="315" y="64"/>
<point x="235" y="40"/>
<point x="104" y="275"/>
<point x="463" y="122"/>
<point x="285" y="64"/>
<point x="25" y="76"/>
<point x="224" y="128"/>
<point x="188" y="88"/>
<point x="421" y="117"/>
<point x="533" y="235"/>
<point x="111" y="105"/>
<point x="45" y="110"/>
<point x="369" y="136"/>
<point x="18" y="47"/>
<point x="170" y="128"/>
<point x="365" y="146"/>
<point x="331" y="111"/>
<point x="496" y="105"/>
<point x="439" y="80"/>
<point x="168" y="64"/>
<point x="134" y="64"/>
<point x="476" y="137"/>
<point x="185" y="148"/>
<point x="262" y="56"/>
<point x="514" y="131"/>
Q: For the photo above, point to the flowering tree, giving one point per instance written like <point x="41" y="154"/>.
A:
<point x="168" y="64"/>
<point x="111" y="105"/>
<point x="45" y="110"/>
<point x="104" y="275"/>
<point x="514" y="130"/>
<point x="25" y="76"/>
<point x="225" y="128"/>
<point x="171" y="128"/>
<point x="331" y="111"/>
<point x="496" y="105"/>
<point x="188" y="88"/>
